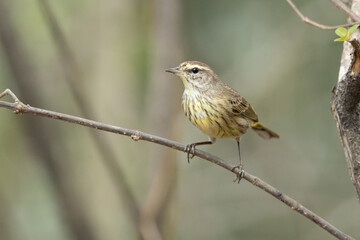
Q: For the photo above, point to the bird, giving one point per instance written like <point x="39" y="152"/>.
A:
<point x="215" y="108"/>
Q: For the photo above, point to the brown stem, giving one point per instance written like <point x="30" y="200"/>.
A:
<point x="342" y="6"/>
<point x="318" y="25"/>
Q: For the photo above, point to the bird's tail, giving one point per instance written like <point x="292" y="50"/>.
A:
<point x="263" y="131"/>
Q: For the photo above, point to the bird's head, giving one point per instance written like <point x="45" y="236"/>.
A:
<point x="195" y="75"/>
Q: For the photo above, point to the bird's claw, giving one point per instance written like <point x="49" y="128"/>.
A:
<point x="239" y="174"/>
<point x="190" y="149"/>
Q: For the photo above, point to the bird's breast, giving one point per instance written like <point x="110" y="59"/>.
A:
<point x="210" y="115"/>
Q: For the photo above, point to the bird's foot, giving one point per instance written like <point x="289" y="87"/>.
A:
<point x="190" y="149"/>
<point x="239" y="174"/>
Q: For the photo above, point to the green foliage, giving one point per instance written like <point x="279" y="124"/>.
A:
<point x="345" y="34"/>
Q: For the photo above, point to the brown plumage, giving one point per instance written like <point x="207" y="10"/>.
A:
<point x="215" y="108"/>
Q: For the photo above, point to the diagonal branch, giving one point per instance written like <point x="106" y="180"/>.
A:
<point x="19" y="107"/>
<point x="321" y="26"/>
<point x="342" y="6"/>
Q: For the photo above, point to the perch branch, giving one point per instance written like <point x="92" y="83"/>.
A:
<point x="20" y="108"/>
<point x="318" y="25"/>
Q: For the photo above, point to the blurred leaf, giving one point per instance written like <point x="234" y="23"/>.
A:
<point x="341" y="32"/>
<point x="352" y="29"/>
<point x="343" y="39"/>
<point x="344" y="34"/>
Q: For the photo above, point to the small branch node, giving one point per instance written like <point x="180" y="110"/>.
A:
<point x="136" y="136"/>
<point x="20" y="107"/>
<point x="255" y="181"/>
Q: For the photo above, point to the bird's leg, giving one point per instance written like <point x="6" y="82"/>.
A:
<point x="190" y="148"/>
<point x="240" y="166"/>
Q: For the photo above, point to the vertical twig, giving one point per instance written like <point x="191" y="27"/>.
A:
<point x="38" y="131"/>
<point x="162" y="113"/>
<point x="75" y="79"/>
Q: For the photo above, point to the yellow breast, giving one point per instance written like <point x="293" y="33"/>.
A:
<point x="211" y="116"/>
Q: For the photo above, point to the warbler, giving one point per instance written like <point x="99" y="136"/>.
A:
<point x="216" y="109"/>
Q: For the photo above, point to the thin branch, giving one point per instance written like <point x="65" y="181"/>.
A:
<point x="342" y="6"/>
<point x="19" y="107"/>
<point x="318" y="25"/>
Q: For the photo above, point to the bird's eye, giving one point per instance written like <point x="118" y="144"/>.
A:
<point x="195" y="70"/>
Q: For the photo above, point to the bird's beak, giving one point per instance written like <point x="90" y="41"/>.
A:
<point x="173" y="70"/>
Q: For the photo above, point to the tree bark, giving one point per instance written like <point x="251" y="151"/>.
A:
<point x="345" y="103"/>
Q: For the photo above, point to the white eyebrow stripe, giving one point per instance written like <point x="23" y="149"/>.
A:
<point x="196" y="66"/>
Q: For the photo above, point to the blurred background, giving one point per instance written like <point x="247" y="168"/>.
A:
<point x="105" y="60"/>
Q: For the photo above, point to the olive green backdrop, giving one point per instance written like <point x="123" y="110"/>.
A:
<point x="283" y="67"/>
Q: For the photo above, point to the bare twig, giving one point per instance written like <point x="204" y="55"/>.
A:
<point x="293" y="204"/>
<point x="342" y="6"/>
<point x="11" y="94"/>
<point x="315" y="24"/>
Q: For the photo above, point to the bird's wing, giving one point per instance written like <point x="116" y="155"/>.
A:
<point x="239" y="105"/>
<point x="242" y="108"/>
